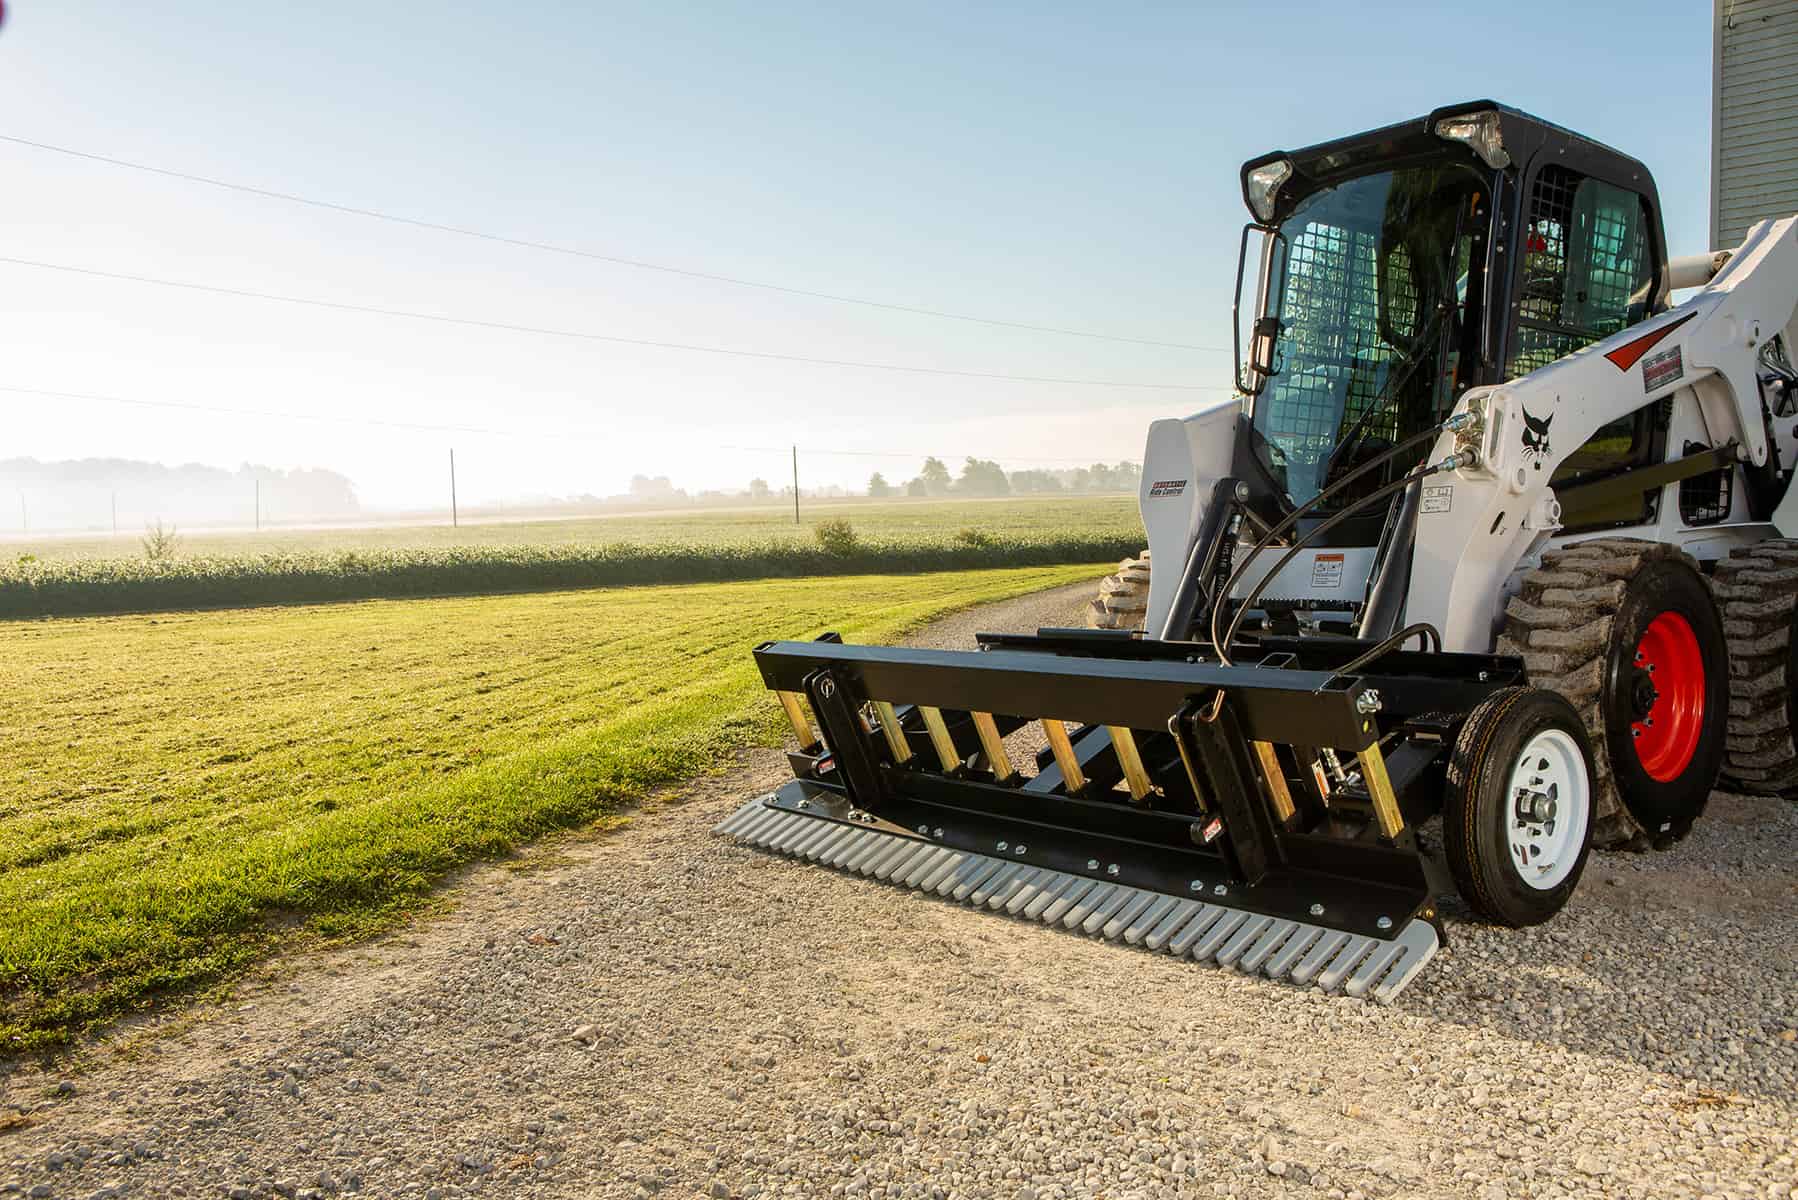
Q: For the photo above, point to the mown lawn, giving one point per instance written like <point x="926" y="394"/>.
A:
<point x="178" y="792"/>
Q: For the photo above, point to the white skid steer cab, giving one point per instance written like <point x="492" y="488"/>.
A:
<point x="1499" y="529"/>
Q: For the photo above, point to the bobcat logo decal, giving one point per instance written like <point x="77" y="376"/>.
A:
<point x="1535" y="437"/>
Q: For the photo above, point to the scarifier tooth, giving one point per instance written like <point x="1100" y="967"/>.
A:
<point x="993" y="883"/>
<point x="1331" y="977"/>
<point x="1421" y="943"/>
<point x="899" y="870"/>
<point x="1183" y="911"/>
<point x="942" y="871"/>
<point x="868" y="848"/>
<point x="824" y="850"/>
<point x="893" y="851"/>
<point x="804" y="846"/>
<point x="847" y="849"/>
<point x="1319" y="954"/>
<point x="733" y="824"/>
<point x="1372" y="968"/>
<point x="1246" y="935"/>
<point x="1218" y="934"/>
<point x="1288" y="955"/>
<point x="972" y="874"/>
<point x="1035" y="886"/>
<point x="1086" y="904"/>
<point x="924" y="866"/>
<point x="756" y="830"/>
<point x="1049" y="906"/>
<point x="798" y="831"/>
<point x="1146" y="920"/>
<point x="780" y="835"/>
<point x="1182" y="941"/>
<point x="1019" y="883"/>
<point x="1101" y="913"/>
<point x="1270" y="939"/>
<point x="1115" y="927"/>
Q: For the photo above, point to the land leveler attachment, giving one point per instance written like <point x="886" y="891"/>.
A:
<point x="1258" y="815"/>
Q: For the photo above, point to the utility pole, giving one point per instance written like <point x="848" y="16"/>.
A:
<point x="259" y="506"/>
<point x="795" y="485"/>
<point x="115" y="511"/>
<point x="455" y="516"/>
<point x="24" y="521"/>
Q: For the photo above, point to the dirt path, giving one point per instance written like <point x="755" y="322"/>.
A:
<point x="656" y="1011"/>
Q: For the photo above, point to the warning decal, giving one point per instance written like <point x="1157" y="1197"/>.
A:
<point x="1438" y="499"/>
<point x="1658" y="370"/>
<point x="1326" y="571"/>
<point x="1166" y="487"/>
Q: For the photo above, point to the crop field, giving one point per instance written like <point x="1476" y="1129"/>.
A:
<point x="1100" y="516"/>
<point x="650" y="550"/>
<point x="181" y="791"/>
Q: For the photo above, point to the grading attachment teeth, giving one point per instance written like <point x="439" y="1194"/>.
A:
<point x="1301" y="953"/>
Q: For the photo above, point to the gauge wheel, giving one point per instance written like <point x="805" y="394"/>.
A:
<point x="1518" y="822"/>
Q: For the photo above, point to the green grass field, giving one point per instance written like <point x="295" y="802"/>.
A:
<point x="180" y="792"/>
<point x="916" y="520"/>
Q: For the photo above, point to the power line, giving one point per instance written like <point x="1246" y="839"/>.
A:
<point x="557" y="434"/>
<point x="597" y="337"/>
<point x="617" y="260"/>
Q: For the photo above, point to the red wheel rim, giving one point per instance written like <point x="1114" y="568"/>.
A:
<point x="1668" y="679"/>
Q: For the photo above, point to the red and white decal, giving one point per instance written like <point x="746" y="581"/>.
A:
<point x="1627" y="355"/>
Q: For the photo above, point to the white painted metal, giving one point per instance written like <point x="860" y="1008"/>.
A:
<point x="1206" y="932"/>
<point x="1183" y="461"/>
<point x="1550" y="771"/>
<point x="1501" y="512"/>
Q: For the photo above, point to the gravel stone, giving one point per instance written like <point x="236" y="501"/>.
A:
<point x="765" y="1029"/>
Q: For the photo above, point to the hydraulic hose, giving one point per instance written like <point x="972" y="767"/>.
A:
<point x="1431" y="636"/>
<point x="1292" y="518"/>
<point x="1381" y="493"/>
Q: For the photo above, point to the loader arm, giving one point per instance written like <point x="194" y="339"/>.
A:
<point x="1478" y="524"/>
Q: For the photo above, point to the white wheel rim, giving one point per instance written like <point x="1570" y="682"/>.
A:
<point x="1548" y="806"/>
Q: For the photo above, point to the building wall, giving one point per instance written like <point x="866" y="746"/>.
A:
<point x="1754" y="115"/>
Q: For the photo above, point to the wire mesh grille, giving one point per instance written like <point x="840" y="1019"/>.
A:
<point x="1587" y="264"/>
<point x="1334" y="361"/>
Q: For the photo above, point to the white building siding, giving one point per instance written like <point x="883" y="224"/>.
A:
<point x="1754" y="116"/>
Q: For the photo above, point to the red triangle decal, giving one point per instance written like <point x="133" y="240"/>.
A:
<point x="1628" y="354"/>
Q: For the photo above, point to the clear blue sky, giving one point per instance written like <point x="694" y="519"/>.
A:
<point x="1070" y="165"/>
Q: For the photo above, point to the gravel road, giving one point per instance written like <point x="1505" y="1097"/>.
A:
<point x="656" y="1012"/>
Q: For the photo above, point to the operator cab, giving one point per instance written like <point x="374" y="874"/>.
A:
<point x="1403" y="266"/>
<point x="1395" y="270"/>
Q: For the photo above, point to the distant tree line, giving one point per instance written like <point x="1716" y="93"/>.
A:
<point x="85" y="493"/>
<point x="983" y="477"/>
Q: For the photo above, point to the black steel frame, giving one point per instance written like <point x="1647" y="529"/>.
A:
<point x="1209" y="830"/>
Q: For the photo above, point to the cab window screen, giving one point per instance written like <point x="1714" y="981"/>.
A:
<point x="1588" y="264"/>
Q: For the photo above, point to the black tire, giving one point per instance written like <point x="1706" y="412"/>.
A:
<point x="1482" y="809"/>
<point x="1758" y="587"/>
<point x="1577" y="624"/>
<point x="1123" y="599"/>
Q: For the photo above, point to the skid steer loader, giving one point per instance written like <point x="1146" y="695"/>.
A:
<point x="1458" y="549"/>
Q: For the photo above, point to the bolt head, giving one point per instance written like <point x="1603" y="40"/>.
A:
<point x="1220" y="890"/>
<point x="923" y="831"/>
<point x="1112" y="869"/>
<point x="938" y="832"/>
<point x="1383" y="923"/>
<point x="1092" y="864"/>
<point x="1019" y="848"/>
<point x="1197" y="885"/>
<point x="1002" y="847"/>
<point x="1317" y="910"/>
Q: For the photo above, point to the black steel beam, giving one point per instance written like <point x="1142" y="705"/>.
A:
<point x="1293" y="706"/>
